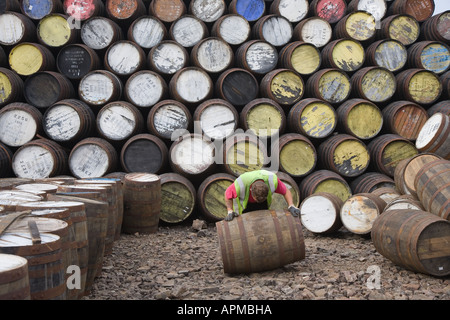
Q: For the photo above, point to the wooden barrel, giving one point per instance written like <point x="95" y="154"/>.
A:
<point x="168" y="117"/>
<point x="100" y="87"/>
<point x="145" y="88"/>
<point x="278" y="200"/>
<point x="360" y="118"/>
<point x="325" y="181"/>
<point x="38" y="188"/>
<point x="330" y="10"/>
<point x="216" y="119"/>
<point x="429" y="55"/>
<point x="6" y="155"/>
<point x="125" y="11"/>
<point x="92" y="157"/>
<point x="330" y="84"/>
<point x="368" y="182"/>
<point x="344" y="154"/>
<point x="297" y="154"/>
<point x="188" y="30"/>
<point x="275" y="29"/>
<point x="419" y="9"/>
<point x="124" y="58"/>
<point x="45" y="268"/>
<point x="386" y="193"/>
<point x="178" y="198"/>
<point x="142" y="203"/>
<point x="168" y="57"/>
<point x="16" y="28"/>
<point x="192" y="156"/>
<point x="387" y="53"/>
<point x="257" y="56"/>
<point x="27" y="58"/>
<point x="377" y="8"/>
<point x="263" y="117"/>
<point x="14" y="278"/>
<point x="167" y="10"/>
<point x="243" y="153"/>
<point x="44" y="88"/>
<point x="37" y="10"/>
<point x="238" y="86"/>
<point x="12" y="87"/>
<point x="144" y="153"/>
<point x="445" y="80"/>
<point x="99" y="32"/>
<point x="55" y="31"/>
<point x="387" y="150"/>
<point x="301" y="57"/>
<point x="212" y="54"/>
<point x="320" y="213"/>
<point x="433" y="137"/>
<point x="433" y="188"/>
<point x="359" y="212"/>
<point x="191" y="85"/>
<point x="208" y="11"/>
<point x="403" y="202"/>
<point x="40" y="158"/>
<point x="347" y="55"/>
<point x="118" y="121"/>
<point x="313" y="118"/>
<point x="19" y="124"/>
<point x="376" y="84"/>
<point x="232" y="28"/>
<point x="10" y="199"/>
<point x="83" y="10"/>
<point x="77" y="60"/>
<point x="442" y="107"/>
<point x="313" y="30"/>
<point x="284" y="86"/>
<point x="147" y="31"/>
<point x="294" y="11"/>
<point x="358" y="25"/>
<point x="405" y="237"/>
<point x="251" y="10"/>
<point x="277" y="241"/>
<point x="210" y="196"/>
<point x="69" y="121"/>
<point x="402" y="27"/>
<point x="404" y="118"/>
<point x="436" y="28"/>
<point x="419" y="86"/>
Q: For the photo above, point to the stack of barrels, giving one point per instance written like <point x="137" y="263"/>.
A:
<point x="331" y="94"/>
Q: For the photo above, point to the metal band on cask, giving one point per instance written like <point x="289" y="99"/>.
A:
<point x="28" y="58"/>
<point x="14" y="278"/>
<point x="375" y="84"/>
<point x="142" y="203"/>
<point x="212" y="55"/>
<point x="256" y="56"/>
<point x="325" y="181"/>
<point x="124" y="58"/>
<point x="301" y="57"/>
<point x="437" y="28"/>
<point x="357" y="25"/>
<point x="76" y="60"/>
<point x="210" y="196"/>
<point x="167" y="118"/>
<point x="433" y="136"/>
<point x="44" y="88"/>
<point x="167" y="10"/>
<point x="320" y="213"/>
<point x="276" y="30"/>
<point x="401" y="27"/>
<point x="147" y="31"/>
<point x="387" y="150"/>
<point x="232" y="28"/>
<point x="55" y="31"/>
<point x="294" y="11"/>
<point x="168" y="57"/>
<point x="388" y="53"/>
<point x="430" y="55"/>
<point x="330" y="84"/>
<point x="238" y="86"/>
<point x="216" y="119"/>
<point x="92" y="157"/>
<point x="145" y="88"/>
<point x="297" y="154"/>
<point x="314" y="118"/>
<point x="144" y="153"/>
<point x="85" y="9"/>
<point x="207" y="11"/>
<point x="330" y="10"/>
<point x="100" y="87"/>
<point x="370" y="181"/>
<point x="251" y="10"/>
<point x="421" y="10"/>
<point x="37" y="10"/>
<point x="418" y="85"/>
<point x="404" y="118"/>
<point x="100" y="32"/>
<point x="314" y="30"/>
<point x="19" y="124"/>
<point x="284" y="86"/>
<point x="188" y="30"/>
<point x="347" y="55"/>
<point x="178" y="198"/>
<point x="16" y="28"/>
<point x="191" y="85"/>
<point x="360" y="118"/>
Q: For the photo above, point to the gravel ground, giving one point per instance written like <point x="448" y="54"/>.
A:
<point x="183" y="263"/>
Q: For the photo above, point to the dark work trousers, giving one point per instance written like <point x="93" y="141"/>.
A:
<point x="254" y="206"/>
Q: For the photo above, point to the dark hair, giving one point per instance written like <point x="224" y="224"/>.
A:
<point x="259" y="190"/>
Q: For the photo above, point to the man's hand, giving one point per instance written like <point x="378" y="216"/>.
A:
<point x="294" y="211"/>
<point x="231" y="215"/>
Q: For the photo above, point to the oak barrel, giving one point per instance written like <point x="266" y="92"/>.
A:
<point x="274" y="29"/>
<point x="313" y="30"/>
<point x="100" y="32"/>
<point x="100" y="87"/>
<point x="76" y="60"/>
<point x="238" y="86"/>
<point x="191" y="85"/>
<point x="330" y="84"/>
<point x="419" y="9"/>
<point x="15" y="28"/>
<point x="429" y="55"/>
<point x="145" y="88"/>
<point x="358" y="25"/>
<point x="14" y="279"/>
<point x="370" y="181"/>
<point x="167" y="10"/>
<point x="347" y="55"/>
<point x="124" y="58"/>
<point x="294" y="11"/>
<point x="302" y="57"/>
<point x="330" y="10"/>
<point x="12" y="85"/>
<point x="256" y="56"/>
<point x="37" y="10"/>
<point x="437" y="27"/>
<point x="168" y="57"/>
<point x="325" y="181"/>
<point x="232" y="28"/>
<point x="251" y="10"/>
<point x="402" y="27"/>
<point x="376" y="84"/>
<point x="434" y="136"/>
<point x="387" y="53"/>
<point x="284" y="86"/>
<point x="83" y="10"/>
<point x="188" y="30"/>
<point x="320" y="213"/>
<point x="27" y="58"/>
<point x="213" y="55"/>
<point x="208" y="11"/>
<point x="147" y="31"/>
<point x="55" y="31"/>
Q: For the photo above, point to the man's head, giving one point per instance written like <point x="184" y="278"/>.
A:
<point x="259" y="191"/>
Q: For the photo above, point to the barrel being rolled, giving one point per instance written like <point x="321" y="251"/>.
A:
<point x="415" y="240"/>
<point x="259" y="241"/>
